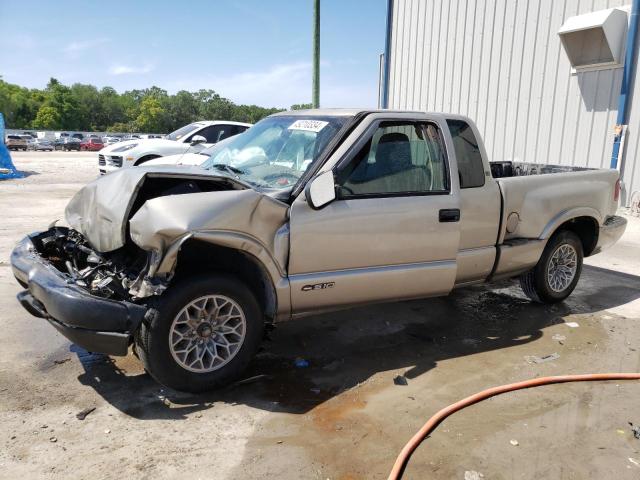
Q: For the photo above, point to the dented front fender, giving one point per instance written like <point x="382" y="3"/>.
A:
<point x="246" y="220"/>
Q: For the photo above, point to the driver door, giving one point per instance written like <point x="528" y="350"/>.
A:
<point x="393" y="230"/>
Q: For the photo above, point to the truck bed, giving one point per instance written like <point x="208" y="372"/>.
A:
<point x="537" y="199"/>
<point x="541" y="194"/>
<point x="509" y="168"/>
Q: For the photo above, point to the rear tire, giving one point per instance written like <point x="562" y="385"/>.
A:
<point x="558" y="270"/>
<point x="201" y="333"/>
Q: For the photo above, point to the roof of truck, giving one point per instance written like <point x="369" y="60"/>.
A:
<point x="349" y="112"/>
<point x="332" y="112"/>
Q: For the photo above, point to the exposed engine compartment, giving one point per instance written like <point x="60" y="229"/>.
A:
<point x="107" y="275"/>
<point x="118" y="274"/>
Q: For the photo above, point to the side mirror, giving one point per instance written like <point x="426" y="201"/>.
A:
<point x="197" y="139"/>
<point x="321" y="190"/>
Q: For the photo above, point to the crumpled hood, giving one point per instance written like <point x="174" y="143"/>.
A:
<point x="100" y="209"/>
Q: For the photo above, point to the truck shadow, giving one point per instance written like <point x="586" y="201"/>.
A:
<point x="344" y="349"/>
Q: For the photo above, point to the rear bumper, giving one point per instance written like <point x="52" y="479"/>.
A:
<point x="94" y="323"/>
<point x="610" y="232"/>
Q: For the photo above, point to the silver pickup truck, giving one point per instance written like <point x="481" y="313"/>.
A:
<point x="306" y="211"/>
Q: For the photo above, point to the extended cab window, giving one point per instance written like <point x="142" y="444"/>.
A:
<point x="400" y="158"/>
<point x="470" y="166"/>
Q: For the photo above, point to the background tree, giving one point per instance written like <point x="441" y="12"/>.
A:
<point x="149" y="110"/>
<point x="151" y="116"/>
<point x="47" y="118"/>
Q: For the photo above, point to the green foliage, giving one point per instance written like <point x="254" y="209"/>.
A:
<point x="301" y="106"/>
<point x="47" y="118"/>
<point x="150" y="110"/>
<point x="151" y="117"/>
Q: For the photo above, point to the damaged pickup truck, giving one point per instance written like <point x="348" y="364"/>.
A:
<point x="305" y="212"/>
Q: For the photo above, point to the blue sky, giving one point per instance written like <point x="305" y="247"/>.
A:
<point x="250" y="51"/>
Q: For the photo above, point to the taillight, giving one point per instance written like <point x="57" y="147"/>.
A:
<point x="616" y="191"/>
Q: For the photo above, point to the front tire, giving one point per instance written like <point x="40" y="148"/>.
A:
<point x="558" y="270"/>
<point x="201" y="333"/>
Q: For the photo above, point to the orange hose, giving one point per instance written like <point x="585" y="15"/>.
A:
<point x="433" y="422"/>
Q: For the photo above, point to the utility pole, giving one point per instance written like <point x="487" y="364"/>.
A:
<point x="316" y="54"/>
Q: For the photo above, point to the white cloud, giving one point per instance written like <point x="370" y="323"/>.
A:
<point x="130" y="70"/>
<point x="84" y="45"/>
<point x="282" y="86"/>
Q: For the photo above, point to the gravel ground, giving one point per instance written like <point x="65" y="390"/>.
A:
<point x="342" y="417"/>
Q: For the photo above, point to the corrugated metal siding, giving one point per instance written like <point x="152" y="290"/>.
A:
<point x="501" y="63"/>
<point x="631" y="165"/>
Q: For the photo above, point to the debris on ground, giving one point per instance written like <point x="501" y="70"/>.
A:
<point x="400" y="380"/>
<point x="572" y="324"/>
<point x="472" y="475"/>
<point x="635" y="430"/>
<point x="53" y="439"/>
<point x="546" y="358"/>
<point x="559" y="338"/>
<point x="514" y="443"/>
<point x="107" y="431"/>
<point x="60" y="362"/>
<point x="333" y="365"/>
<point x="634" y="461"/>
<point x="253" y="379"/>
<point x="300" y="362"/>
<point x="81" y="415"/>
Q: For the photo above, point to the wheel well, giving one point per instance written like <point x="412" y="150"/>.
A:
<point x="198" y="257"/>
<point x="586" y="228"/>
<point x="146" y="158"/>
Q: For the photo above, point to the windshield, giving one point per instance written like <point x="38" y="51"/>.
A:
<point x="276" y="151"/>
<point x="182" y="131"/>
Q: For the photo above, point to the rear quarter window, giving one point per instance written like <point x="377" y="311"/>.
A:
<point x="468" y="155"/>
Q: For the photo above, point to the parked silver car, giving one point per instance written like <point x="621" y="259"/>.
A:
<point x="41" y="145"/>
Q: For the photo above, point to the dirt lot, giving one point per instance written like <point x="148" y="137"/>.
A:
<point x="342" y="417"/>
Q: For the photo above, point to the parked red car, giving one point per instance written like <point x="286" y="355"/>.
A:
<point x="91" y="144"/>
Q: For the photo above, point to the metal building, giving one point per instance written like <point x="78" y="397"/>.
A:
<point x="541" y="78"/>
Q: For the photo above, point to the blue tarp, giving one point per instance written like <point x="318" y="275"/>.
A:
<point x="5" y="157"/>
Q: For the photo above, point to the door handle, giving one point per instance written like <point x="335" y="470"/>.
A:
<point x="449" y="215"/>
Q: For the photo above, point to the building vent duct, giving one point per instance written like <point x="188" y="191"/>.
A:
<point x="595" y="40"/>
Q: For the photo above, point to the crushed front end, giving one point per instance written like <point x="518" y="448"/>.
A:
<point x="92" y="281"/>
<point x="84" y="294"/>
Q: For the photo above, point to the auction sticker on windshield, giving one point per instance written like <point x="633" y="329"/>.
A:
<point x="308" y="125"/>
